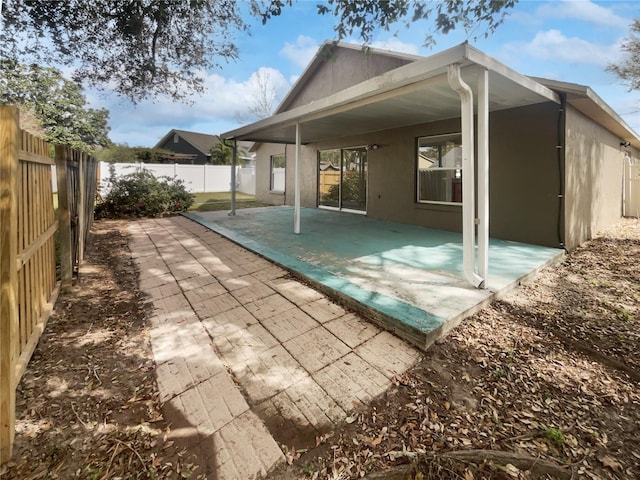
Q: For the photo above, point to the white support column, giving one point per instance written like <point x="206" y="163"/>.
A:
<point x="468" y="176"/>
<point x="234" y="153"/>
<point x="483" y="176"/>
<point x="296" y="215"/>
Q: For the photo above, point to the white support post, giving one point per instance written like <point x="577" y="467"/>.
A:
<point x="483" y="176"/>
<point x="234" y="153"/>
<point x="468" y="176"/>
<point x="296" y="215"/>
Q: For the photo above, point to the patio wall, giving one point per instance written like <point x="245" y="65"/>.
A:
<point x="262" y="178"/>
<point x="523" y="175"/>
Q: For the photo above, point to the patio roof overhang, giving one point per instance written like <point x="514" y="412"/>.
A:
<point x="409" y="95"/>
<point x="436" y="88"/>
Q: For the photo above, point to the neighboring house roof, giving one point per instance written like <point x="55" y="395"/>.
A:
<point x="417" y="93"/>
<point x="200" y="141"/>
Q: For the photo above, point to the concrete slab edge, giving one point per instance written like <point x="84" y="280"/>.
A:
<point x="434" y="327"/>
<point x="416" y="326"/>
<point x="453" y="322"/>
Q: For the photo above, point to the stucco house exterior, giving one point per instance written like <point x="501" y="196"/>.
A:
<point x="190" y="147"/>
<point x="455" y="141"/>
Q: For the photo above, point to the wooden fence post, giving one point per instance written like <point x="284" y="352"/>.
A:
<point x="9" y="137"/>
<point x="82" y="198"/>
<point x="64" y="218"/>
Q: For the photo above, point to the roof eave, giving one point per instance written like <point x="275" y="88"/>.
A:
<point x="165" y="138"/>
<point x="404" y="76"/>
<point x="625" y="132"/>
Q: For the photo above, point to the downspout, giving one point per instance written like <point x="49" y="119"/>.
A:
<point x="560" y="149"/>
<point x="483" y="175"/>
<point x="468" y="176"/>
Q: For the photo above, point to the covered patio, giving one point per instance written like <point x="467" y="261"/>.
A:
<point x="406" y="278"/>
<point x="416" y="281"/>
<point x="461" y="82"/>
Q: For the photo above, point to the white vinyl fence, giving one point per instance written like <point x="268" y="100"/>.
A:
<point x="632" y="189"/>
<point x="277" y="179"/>
<point x="197" y="178"/>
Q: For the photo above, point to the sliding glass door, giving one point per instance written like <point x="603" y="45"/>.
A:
<point x="342" y="178"/>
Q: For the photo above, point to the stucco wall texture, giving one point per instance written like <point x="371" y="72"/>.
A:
<point x="594" y="178"/>
<point x="527" y="170"/>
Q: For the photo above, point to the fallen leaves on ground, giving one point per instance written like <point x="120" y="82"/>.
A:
<point x="542" y="384"/>
<point x="538" y="384"/>
<point x="87" y="404"/>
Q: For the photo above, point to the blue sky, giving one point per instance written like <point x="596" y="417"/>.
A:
<point x="571" y="40"/>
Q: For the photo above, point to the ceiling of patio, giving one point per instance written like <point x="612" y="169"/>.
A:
<point x="410" y="95"/>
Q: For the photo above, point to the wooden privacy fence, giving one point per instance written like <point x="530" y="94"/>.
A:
<point x="77" y="175"/>
<point x="28" y="225"/>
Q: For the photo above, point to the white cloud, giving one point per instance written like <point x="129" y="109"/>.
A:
<point x="586" y="11"/>
<point x="553" y="45"/>
<point x="215" y="111"/>
<point x="395" y="45"/>
<point x="301" y="52"/>
<point x="274" y="78"/>
<point x="524" y="18"/>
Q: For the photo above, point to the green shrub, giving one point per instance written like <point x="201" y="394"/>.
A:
<point x="140" y="194"/>
<point x="555" y="435"/>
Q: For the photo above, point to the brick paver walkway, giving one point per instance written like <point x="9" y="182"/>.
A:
<point x="249" y="359"/>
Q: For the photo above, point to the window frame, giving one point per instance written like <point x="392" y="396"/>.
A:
<point x="434" y="140"/>
<point x="277" y="156"/>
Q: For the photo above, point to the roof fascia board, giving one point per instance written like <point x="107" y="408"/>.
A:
<point x="476" y="56"/>
<point x="260" y="141"/>
<point x="586" y="92"/>
<point x="402" y="79"/>
<point x="602" y="105"/>
<point x="566" y="87"/>
<point x="380" y="51"/>
<point x="368" y="100"/>
<point x="388" y="81"/>
<point x="165" y="138"/>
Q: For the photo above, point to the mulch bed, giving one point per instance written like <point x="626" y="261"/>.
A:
<point x="87" y="404"/>
<point x="543" y="384"/>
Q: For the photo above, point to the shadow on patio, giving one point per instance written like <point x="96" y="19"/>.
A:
<point x="406" y="278"/>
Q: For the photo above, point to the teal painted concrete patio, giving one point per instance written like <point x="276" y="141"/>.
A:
<point x="409" y="279"/>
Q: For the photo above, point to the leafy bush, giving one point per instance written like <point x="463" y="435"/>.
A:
<point x="140" y="194"/>
<point x="352" y="186"/>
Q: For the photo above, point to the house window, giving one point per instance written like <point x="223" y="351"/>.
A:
<point x="176" y="138"/>
<point x="277" y="173"/>
<point x="342" y="179"/>
<point x="439" y="169"/>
